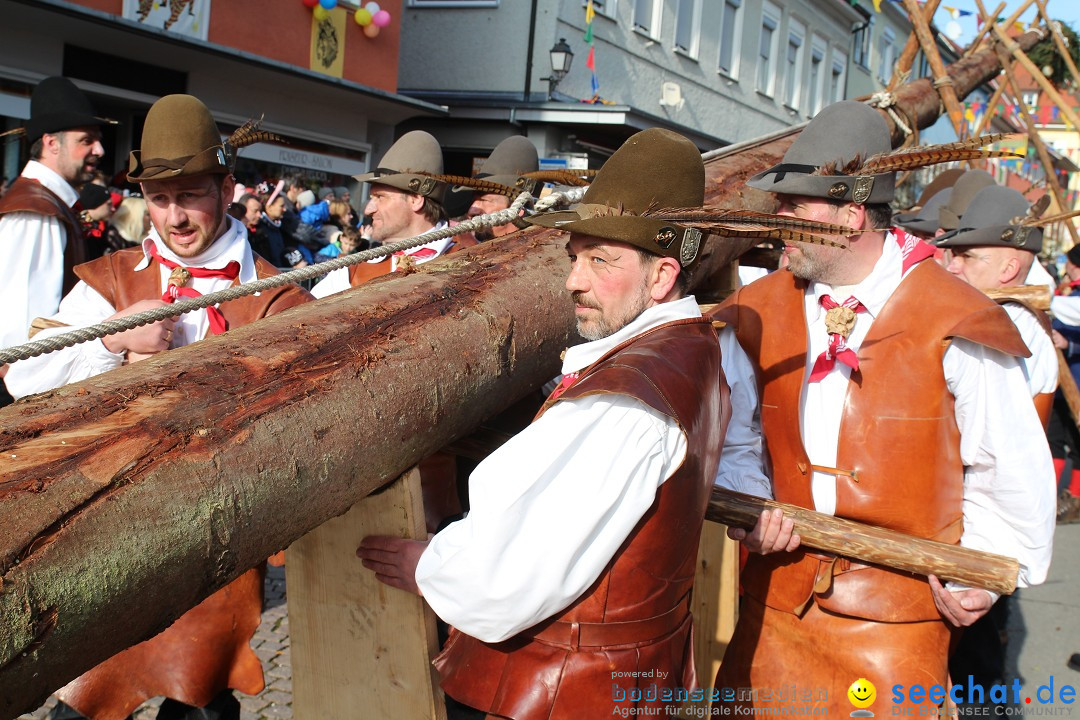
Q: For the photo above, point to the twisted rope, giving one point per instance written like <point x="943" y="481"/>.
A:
<point x="181" y="307"/>
<point x="887" y="101"/>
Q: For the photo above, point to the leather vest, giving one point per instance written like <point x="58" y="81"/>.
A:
<point x="115" y="278"/>
<point x="899" y="446"/>
<point x="635" y="617"/>
<point x="26" y="195"/>
<point x="362" y="272"/>
<point x="207" y="649"/>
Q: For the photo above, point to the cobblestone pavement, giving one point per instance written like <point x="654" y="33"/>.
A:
<point x="271" y="644"/>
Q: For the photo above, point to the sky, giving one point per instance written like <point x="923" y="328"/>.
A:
<point x="963" y="29"/>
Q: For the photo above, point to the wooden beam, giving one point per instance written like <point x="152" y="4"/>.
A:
<point x="985" y="29"/>
<point x="942" y="81"/>
<point x="1018" y="53"/>
<point x="1059" y="41"/>
<point x="911" y="49"/>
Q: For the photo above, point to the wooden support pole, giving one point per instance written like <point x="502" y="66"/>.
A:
<point x="1059" y="41"/>
<point x="873" y="544"/>
<point x="1035" y="296"/>
<point x="984" y="30"/>
<point x="1040" y="147"/>
<point x="942" y="81"/>
<point x="911" y="49"/>
<point x="984" y="121"/>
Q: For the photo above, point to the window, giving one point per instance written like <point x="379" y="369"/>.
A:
<point x="452" y="3"/>
<point x="817" y="76"/>
<point x="606" y="8"/>
<point x="837" y="81"/>
<point x="770" y="22"/>
<point x="730" y="33"/>
<point x="793" y="64"/>
<point x="687" y="20"/>
<point x="861" y="42"/>
<point x="647" y="17"/>
<point x="887" y="56"/>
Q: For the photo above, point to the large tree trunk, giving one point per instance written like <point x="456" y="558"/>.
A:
<point x="128" y="498"/>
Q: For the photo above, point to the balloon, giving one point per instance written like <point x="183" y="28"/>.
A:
<point x="310" y="3"/>
<point x="381" y="18"/>
<point x="362" y="17"/>
<point x="372" y="30"/>
<point x="320" y="13"/>
<point x="372" y="7"/>
<point x="328" y="4"/>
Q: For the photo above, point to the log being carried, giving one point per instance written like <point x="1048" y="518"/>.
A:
<point x="272" y="422"/>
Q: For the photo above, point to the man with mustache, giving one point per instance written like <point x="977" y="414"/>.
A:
<point x="511" y="158"/>
<point x="193" y="248"/>
<point x="870" y="384"/>
<point x="575" y="562"/>
<point x="40" y="234"/>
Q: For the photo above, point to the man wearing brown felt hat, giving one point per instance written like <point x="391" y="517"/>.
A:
<point x="193" y="248"/>
<point x="869" y="384"/>
<point x="576" y="560"/>
<point x="40" y="233"/>
<point x="404" y="202"/>
<point x="508" y="162"/>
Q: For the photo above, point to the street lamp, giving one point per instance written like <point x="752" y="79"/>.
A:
<point x="561" y="57"/>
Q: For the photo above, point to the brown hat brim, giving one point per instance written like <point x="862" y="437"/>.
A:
<point x="659" y="237"/>
<point x="409" y="182"/>
<point x="209" y="161"/>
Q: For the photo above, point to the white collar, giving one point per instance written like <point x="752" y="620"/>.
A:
<point x="439" y="246"/>
<point x="231" y="246"/>
<point x="52" y="180"/>
<point x="876" y="288"/>
<point x="584" y="355"/>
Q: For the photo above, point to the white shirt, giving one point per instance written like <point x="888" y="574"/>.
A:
<point x="551" y="507"/>
<point x="1009" y="502"/>
<point x="32" y="270"/>
<point x="1066" y="308"/>
<point x="1041" y="369"/>
<point x="338" y="280"/>
<point x="1038" y="275"/>
<point x="84" y="306"/>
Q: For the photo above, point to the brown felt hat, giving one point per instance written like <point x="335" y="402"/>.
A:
<point x="965" y="189"/>
<point x="925" y="219"/>
<point x="180" y="139"/>
<point x="414" y="152"/>
<point x="512" y="158"/>
<point x="944" y="180"/>
<point x="838" y="134"/>
<point x="993" y="219"/>
<point x="655" y="169"/>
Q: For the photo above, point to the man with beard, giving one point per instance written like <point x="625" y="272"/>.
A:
<point x="870" y="384"/>
<point x="403" y="204"/>
<point x="193" y="248"/>
<point x="575" y="562"/>
<point x="40" y="234"/>
<point x="512" y="158"/>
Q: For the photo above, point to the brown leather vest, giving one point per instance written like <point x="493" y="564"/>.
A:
<point x="115" y="277"/>
<point x="899" y="443"/>
<point x="635" y="616"/>
<point x="207" y="649"/>
<point x="362" y="272"/>
<point x="26" y="195"/>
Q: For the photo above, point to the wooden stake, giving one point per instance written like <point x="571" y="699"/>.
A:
<point x="1035" y="296"/>
<point x="868" y="543"/>
<point x="911" y="49"/>
<point x="1040" y="147"/>
<point x="942" y="81"/>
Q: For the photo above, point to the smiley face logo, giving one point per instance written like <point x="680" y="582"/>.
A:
<point x="862" y="694"/>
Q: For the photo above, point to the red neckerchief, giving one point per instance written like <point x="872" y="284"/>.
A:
<point x="231" y="271"/>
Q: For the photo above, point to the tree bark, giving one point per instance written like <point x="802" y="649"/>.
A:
<point x="128" y="498"/>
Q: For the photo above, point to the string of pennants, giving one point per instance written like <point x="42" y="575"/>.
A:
<point x="954" y="12"/>
<point x="1043" y="114"/>
<point x="590" y="60"/>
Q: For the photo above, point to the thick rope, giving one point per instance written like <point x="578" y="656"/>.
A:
<point x="887" y="102"/>
<point x="128" y="322"/>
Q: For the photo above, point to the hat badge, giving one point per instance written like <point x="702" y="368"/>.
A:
<point x="864" y="185"/>
<point x="665" y="236"/>
<point x="691" y="244"/>
<point x="422" y="186"/>
<point x="838" y="190"/>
